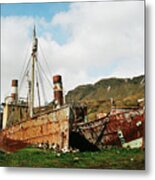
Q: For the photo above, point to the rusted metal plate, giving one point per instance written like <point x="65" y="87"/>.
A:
<point x="55" y="127"/>
<point x="113" y="130"/>
<point x="51" y="128"/>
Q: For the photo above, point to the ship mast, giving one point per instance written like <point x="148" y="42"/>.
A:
<point x="34" y="59"/>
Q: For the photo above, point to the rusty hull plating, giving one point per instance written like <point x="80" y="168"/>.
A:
<point x="59" y="130"/>
<point x="50" y="128"/>
<point x="118" y="130"/>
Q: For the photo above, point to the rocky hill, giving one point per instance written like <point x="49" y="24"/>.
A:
<point x="124" y="91"/>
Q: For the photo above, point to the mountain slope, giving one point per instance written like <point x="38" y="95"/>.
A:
<point x="124" y="91"/>
<point x="108" y="88"/>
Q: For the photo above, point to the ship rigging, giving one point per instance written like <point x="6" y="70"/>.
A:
<point x="35" y="76"/>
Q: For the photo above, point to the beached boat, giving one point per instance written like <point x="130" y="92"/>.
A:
<point x="61" y="126"/>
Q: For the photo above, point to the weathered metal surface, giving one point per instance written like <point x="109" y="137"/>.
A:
<point x="136" y="143"/>
<point x="113" y="130"/>
<point x="50" y="127"/>
<point x="58" y="89"/>
<point x="14" y="91"/>
<point x="55" y="129"/>
<point x="14" y="113"/>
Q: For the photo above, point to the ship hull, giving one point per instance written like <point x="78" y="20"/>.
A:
<point x="117" y="130"/>
<point x="49" y="127"/>
<point x="58" y="131"/>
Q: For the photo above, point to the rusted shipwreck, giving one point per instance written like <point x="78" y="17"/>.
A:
<point x="61" y="126"/>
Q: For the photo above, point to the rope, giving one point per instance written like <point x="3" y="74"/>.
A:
<point x="40" y="77"/>
<point x="41" y="82"/>
<point x="24" y="75"/>
<point x="45" y="59"/>
<point x="45" y="75"/>
<point x="28" y="47"/>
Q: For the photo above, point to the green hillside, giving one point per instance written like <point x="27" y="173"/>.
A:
<point x="124" y="91"/>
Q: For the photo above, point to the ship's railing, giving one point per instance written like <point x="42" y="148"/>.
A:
<point x="21" y="100"/>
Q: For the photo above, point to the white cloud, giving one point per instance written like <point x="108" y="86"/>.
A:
<point x="105" y="39"/>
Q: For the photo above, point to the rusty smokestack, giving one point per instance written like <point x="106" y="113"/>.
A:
<point x="58" y="90"/>
<point x="14" y="90"/>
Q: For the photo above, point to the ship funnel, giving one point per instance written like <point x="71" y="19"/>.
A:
<point x="58" y="90"/>
<point x="14" y="91"/>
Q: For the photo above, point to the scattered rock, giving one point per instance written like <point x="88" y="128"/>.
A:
<point x="132" y="159"/>
<point x="58" y="154"/>
<point x="76" y="159"/>
<point x="75" y="150"/>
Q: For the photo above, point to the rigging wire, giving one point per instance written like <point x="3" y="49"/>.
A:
<point x="40" y="77"/>
<point x="25" y="60"/>
<point x="41" y="82"/>
<point x="45" y="75"/>
<point x="45" y="60"/>
<point x="24" y="75"/>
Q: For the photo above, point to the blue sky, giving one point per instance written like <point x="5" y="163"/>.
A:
<point x="39" y="10"/>
<point x="46" y="10"/>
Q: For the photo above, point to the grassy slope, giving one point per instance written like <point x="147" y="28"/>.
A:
<point x="125" y="92"/>
<point x="107" y="159"/>
<point x="119" y="88"/>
